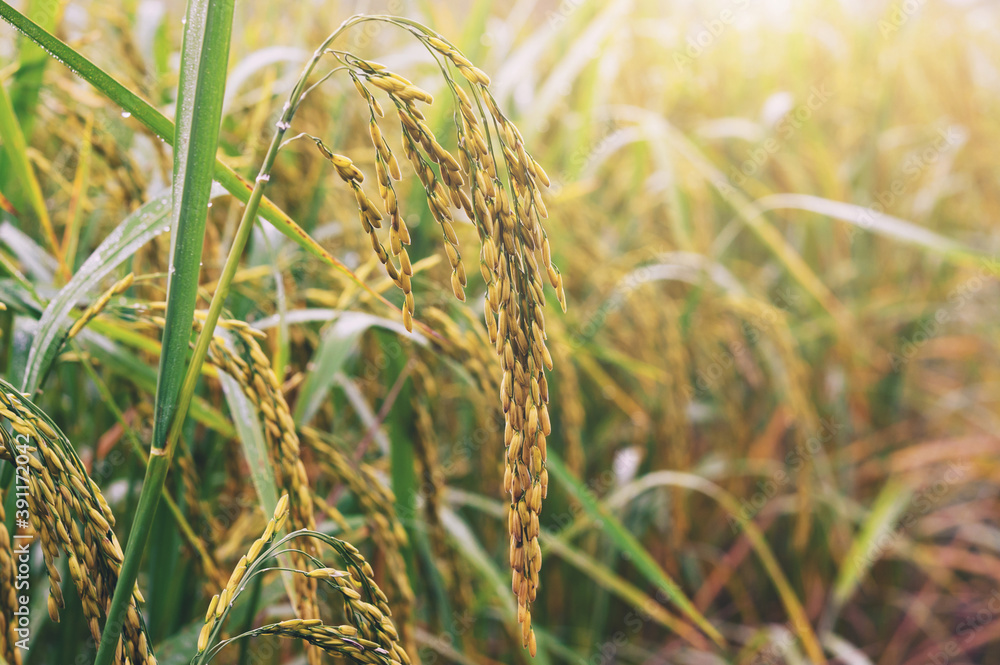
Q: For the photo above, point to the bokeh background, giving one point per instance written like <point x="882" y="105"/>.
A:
<point x="777" y="374"/>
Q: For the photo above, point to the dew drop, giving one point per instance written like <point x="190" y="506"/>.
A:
<point x="126" y="114"/>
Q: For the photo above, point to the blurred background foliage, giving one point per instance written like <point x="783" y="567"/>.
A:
<point x="773" y="223"/>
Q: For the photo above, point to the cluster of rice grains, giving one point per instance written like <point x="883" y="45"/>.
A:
<point x="69" y="514"/>
<point x="498" y="186"/>
<point x="252" y="370"/>
<point x="377" y="502"/>
<point x="368" y="637"/>
<point x="243" y="359"/>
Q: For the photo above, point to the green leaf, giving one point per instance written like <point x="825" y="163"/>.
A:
<point x="16" y="152"/>
<point x="135" y="231"/>
<point x="339" y="341"/>
<point x="628" y="543"/>
<point x="202" y="86"/>
<point x="866" y="548"/>
<point x="163" y="128"/>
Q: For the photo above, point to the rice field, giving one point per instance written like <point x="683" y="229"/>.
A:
<point x="323" y="326"/>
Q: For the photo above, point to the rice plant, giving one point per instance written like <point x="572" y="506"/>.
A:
<point x="257" y="405"/>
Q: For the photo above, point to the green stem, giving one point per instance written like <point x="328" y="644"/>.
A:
<point x="143" y="112"/>
<point x="159" y="458"/>
<point x="204" y="59"/>
<point x="186" y="529"/>
<point x="251" y="608"/>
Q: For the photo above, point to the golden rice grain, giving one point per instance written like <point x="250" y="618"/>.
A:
<point x="62" y="499"/>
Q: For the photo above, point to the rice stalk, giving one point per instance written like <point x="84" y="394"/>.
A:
<point x="498" y="186"/>
<point x="369" y="637"/>
<point x="377" y="503"/>
<point x="8" y="597"/>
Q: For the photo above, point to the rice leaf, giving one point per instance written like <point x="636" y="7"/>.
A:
<point x="340" y="340"/>
<point x="135" y="231"/>
<point x="156" y="122"/>
<point x="641" y="558"/>
<point x="202" y="85"/>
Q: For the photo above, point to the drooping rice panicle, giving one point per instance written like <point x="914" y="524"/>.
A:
<point x="370" y="636"/>
<point x="378" y="505"/>
<point x="502" y="196"/>
<point x="63" y="500"/>
<point x="8" y="597"/>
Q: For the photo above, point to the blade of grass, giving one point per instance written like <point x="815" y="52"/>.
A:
<point x="204" y="58"/>
<point x="628" y="543"/>
<point x="865" y="549"/>
<point x="212" y="19"/>
<point x="164" y="129"/>
<point x="796" y="612"/>
<point x="134" y="231"/>
<point x="16" y="150"/>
